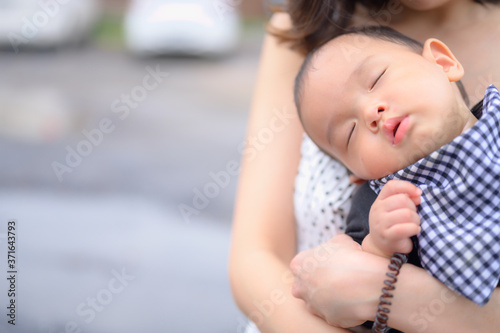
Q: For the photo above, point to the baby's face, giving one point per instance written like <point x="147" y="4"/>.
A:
<point x="378" y="106"/>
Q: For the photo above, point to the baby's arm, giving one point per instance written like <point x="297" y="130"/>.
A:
<point x="393" y="219"/>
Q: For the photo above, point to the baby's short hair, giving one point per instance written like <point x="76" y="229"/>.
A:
<point x="377" y="32"/>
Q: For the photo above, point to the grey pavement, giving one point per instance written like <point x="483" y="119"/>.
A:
<point x="98" y="150"/>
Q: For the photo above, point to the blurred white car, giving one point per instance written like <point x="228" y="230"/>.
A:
<point x="192" y="27"/>
<point x="45" y="23"/>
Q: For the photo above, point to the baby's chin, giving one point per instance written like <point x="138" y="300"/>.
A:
<point x="417" y="154"/>
<point x="404" y="162"/>
<point x="377" y="173"/>
<point x="383" y="174"/>
<point x="400" y="163"/>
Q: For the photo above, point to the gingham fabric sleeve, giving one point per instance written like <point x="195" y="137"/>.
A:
<point x="459" y="243"/>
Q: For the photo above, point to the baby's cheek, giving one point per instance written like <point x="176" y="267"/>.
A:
<point x="377" y="165"/>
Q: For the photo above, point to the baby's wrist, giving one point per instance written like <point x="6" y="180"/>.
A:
<point x="370" y="246"/>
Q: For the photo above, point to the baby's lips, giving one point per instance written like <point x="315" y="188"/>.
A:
<point x="389" y="126"/>
<point x="395" y="129"/>
<point x="401" y="130"/>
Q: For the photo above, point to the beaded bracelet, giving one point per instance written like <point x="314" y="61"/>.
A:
<point x="380" y="323"/>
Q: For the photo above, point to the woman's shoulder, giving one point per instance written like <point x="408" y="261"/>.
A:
<point x="281" y="21"/>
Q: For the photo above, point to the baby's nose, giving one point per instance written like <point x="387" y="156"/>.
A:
<point x="373" y="116"/>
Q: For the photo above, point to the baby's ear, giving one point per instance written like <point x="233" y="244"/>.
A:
<point x="437" y="52"/>
<point x="355" y="179"/>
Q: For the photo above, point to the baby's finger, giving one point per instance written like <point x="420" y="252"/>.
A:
<point x="398" y="201"/>
<point x="401" y="231"/>
<point x="400" y="216"/>
<point x="399" y="186"/>
<point x="416" y="199"/>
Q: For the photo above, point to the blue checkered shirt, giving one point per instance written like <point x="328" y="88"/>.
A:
<point x="460" y="209"/>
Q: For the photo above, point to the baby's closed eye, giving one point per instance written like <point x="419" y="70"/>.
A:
<point x="378" y="79"/>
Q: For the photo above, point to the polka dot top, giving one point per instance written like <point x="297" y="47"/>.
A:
<point x="322" y="196"/>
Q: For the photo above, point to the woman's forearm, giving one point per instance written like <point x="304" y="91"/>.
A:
<point x="423" y="304"/>
<point x="262" y="286"/>
<point x="343" y="285"/>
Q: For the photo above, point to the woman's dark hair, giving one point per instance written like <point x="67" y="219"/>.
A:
<point x="316" y="21"/>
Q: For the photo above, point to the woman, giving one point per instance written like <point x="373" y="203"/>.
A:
<point x="340" y="284"/>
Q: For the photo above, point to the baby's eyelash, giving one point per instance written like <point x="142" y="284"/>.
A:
<point x="378" y="78"/>
<point x="350" y="134"/>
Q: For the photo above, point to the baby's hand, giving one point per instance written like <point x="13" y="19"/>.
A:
<point x="394" y="219"/>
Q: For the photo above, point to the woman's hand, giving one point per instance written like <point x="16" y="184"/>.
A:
<point x="342" y="284"/>
<point x="339" y="282"/>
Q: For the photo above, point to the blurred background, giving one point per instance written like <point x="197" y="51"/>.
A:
<point x="120" y="131"/>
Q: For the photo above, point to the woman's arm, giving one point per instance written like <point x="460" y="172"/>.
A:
<point x="423" y="304"/>
<point x="264" y="239"/>
<point x="350" y="282"/>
